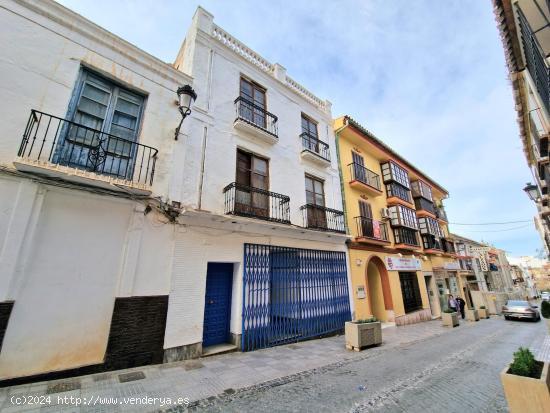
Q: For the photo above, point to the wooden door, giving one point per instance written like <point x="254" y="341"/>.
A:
<point x="252" y="173"/>
<point x="359" y="172"/>
<point x="253" y="107"/>
<point x="259" y="179"/>
<point x="365" y="211"/>
<point x="315" y="198"/>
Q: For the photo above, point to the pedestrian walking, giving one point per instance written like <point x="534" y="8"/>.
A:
<point x="451" y="302"/>
<point x="461" y="304"/>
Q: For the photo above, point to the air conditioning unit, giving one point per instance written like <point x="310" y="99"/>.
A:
<point x="385" y="212"/>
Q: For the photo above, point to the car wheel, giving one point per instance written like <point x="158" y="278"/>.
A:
<point x="506" y="317"/>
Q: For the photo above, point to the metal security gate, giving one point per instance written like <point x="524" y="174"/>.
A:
<point x="291" y="294"/>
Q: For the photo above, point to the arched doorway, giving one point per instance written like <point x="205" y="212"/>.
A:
<point x="379" y="292"/>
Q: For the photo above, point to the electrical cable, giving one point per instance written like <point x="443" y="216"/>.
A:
<point x="492" y="223"/>
<point x="507" y="229"/>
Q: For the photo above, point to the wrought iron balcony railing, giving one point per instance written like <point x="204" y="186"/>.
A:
<point x="312" y="144"/>
<point x="326" y="219"/>
<point x="59" y="141"/>
<point x="422" y="204"/>
<point x="258" y="203"/>
<point x="364" y="175"/>
<point x="256" y="115"/>
<point x="371" y="228"/>
<point x="535" y="60"/>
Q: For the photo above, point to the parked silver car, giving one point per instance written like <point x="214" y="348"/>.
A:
<point x="520" y="309"/>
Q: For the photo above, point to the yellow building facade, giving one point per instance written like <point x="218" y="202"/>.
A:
<point x="402" y="259"/>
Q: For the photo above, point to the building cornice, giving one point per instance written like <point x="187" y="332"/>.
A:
<point x="506" y="24"/>
<point x="274" y="70"/>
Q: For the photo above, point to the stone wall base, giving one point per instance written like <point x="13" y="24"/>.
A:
<point x="414" y="317"/>
<point x="187" y="352"/>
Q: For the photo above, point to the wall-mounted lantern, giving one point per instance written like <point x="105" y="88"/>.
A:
<point x="186" y="97"/>
<point x="532" y="191"/>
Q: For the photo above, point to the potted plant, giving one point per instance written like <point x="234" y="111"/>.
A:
<point x="449" y="318"/>
<point x="526" y="383"/>
<point x="545" y="312"/>
<point x="363" y="333"/>
<point x="472" y="315"/>
<point x="483" y="312"/>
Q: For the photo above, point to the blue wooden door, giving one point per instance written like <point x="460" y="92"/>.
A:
<point x="217" y="304"/>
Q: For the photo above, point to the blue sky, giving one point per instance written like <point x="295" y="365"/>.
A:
<point x="427" y="77"/>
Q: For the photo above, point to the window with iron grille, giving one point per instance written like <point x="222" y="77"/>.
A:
<point x="398" y="190"/>
<point x="404" y="235"/>
<point x="420" y="188"/>
<point x="401" y="216"/>
<point x="393" y="172"/>
<point x="412" y="300"/>
<point x="430" y="226"/>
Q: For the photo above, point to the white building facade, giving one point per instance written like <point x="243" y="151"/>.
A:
<point x="122" y="246"/>
<point x="262" y="202"/>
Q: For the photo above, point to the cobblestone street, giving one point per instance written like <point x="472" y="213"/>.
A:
<point x="455" y="372"/>
<point x="420" y="367"/>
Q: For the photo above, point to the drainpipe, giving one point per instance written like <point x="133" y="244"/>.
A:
<point x="337" y="139"/>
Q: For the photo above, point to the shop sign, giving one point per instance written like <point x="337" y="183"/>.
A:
<point x="403" y="264"/>
<point x="451" y="266"/>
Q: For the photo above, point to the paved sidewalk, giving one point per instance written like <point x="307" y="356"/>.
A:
<point x="207" y="377"/>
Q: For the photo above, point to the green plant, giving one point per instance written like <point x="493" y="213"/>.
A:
<point x="366" y="320"/>
<point x="449" y="310"/>
<point x="524" y="363"/>
<point x="482" y="307"/>
<point x="545" y="309"/>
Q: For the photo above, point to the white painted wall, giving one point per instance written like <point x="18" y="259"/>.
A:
<point x="216" y="70"/>
<point x="186" y="303"/>
<point x="41" y="60"/>
<point x="74" y="254"/>
<point x="66" y="254"/>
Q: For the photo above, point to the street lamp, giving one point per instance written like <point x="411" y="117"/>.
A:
<point x="186" y="97"/>
<point x="532" y="191"/>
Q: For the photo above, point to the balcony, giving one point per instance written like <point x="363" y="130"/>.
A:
<point x="431" y="244"/>
<point x="315" y="150"/>
<point x="466" y="264"/>
<point x="322" y="218"/>
<point x="535" y="60"/>
<point x="540" y="139"/>
<point x="441" y="214"/>
<point x="398" y="194"/>
<point x="257" y="203"/>
<point x="406" y="238"/>
<point x="371" y="231"/>
<point x="424" y="208"/>
<point x="420" y="189"/>
<point x="62" y="149"/>
<point x="364" y="179"/>
<point x="448" y="246"/>
<point x="256" y="121"/>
